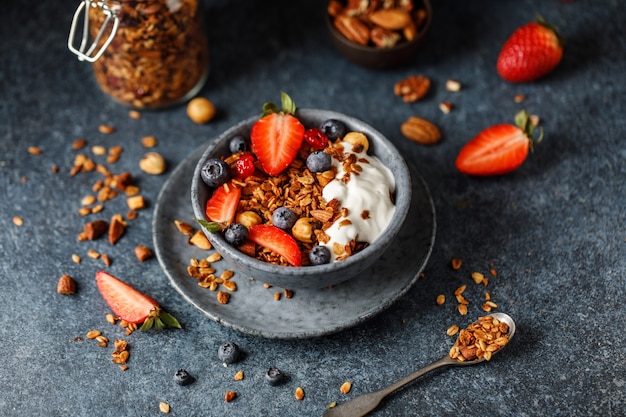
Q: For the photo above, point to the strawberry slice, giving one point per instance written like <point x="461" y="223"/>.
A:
<point x="131" y="305"/>
<point x="276" y="137"/>
<point x="276" y="240"/>
<point x="222" y="205"/>
<point x="499" y="149"/>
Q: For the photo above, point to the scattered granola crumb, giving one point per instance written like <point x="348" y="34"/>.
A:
<point x="18" y="221"/>
<point x="164" y="407"/>
<point x="143" y="252"/>
<point x="452" y="330"/>
<point x="445" y="107"/>
<point x="92" y="334"/>
<point x="79" y="144"/>
<point x="230" y="396"/>
<point x="34" y="150"/>
<point x="453" y="86"/>
<point x="106" y="129"/>
<point x="299" y="394"/>
<point x="441" y="299"/>
<point x="345" y="387"/>
<point x="148" y="141"/>
<point x="183" y="227"/>
<point x="478" y="277"/>
<point x="110" y="318"/>
<point x="105" y="259"/>
<point x="456" y="263"/>
<point x="223" y="297"/>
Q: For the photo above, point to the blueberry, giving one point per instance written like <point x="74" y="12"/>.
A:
<point x="319" y="255"/>
<point x="238" y="144"/>
<point x="229" y="352"/>
<point x="318" y="161"/>
<point x="274" y="376"/>
<point x="236" y="234"/>
<point x="333" y="128"/>
<point x="284" y="218"/>
<point x="214" y="172"/>
<point x="182" y="377"/>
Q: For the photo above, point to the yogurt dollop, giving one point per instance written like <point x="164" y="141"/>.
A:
<point x="366" y="194"/>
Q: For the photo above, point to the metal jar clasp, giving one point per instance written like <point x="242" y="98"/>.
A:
<point x="86" y="51"/>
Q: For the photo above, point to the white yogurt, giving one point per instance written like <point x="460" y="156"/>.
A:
<point x="368" y="192"/>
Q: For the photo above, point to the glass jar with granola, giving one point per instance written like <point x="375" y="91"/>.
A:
<point x="145" y="53"/>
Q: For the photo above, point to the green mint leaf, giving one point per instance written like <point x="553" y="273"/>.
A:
<point x="212" y="227"/>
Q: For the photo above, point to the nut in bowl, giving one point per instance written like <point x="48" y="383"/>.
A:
<point x="378" y="35"/>
<point x="315" y="221"/>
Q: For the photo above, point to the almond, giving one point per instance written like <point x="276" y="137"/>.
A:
<point x="421" y="131"/>
<point x="66" y="285"/>
<point x="392" y="19"/>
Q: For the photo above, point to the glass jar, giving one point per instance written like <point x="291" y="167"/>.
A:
<point x="145" y="53"/>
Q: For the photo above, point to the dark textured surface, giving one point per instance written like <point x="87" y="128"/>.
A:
<point x="554" y="230"/>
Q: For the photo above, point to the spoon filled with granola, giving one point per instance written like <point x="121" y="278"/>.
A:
<point x="475" y="344"/>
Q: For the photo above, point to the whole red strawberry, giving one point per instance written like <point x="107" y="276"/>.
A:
<point x="531" y="52"/>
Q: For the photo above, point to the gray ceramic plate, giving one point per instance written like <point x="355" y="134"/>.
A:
<point x="312" y="312"/>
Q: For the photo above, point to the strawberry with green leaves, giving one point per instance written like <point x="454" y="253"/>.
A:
<point x="499" y="149"/>
<point x="276" y="137"/>
<point x="132" y="305"/>
<point x="531" y="52"/>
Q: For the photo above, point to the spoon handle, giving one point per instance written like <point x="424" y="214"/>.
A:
<point x="363" y="404"/>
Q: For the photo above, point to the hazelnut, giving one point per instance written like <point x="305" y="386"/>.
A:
<point x="302" y="230"/>
<point x="249" y="218"/>
<point x="357" y="139"/>
<point x="200" y="110"/>
<point x="152" y="163"/>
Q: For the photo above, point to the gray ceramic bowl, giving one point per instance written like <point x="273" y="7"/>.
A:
<point x="380" y="58"/>
<point x="317" y="276"/>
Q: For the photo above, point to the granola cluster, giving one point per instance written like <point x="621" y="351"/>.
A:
<point x="300" y="190"/>
<point x="480" y="339"/>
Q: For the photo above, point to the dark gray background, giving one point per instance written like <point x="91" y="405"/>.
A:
<point x="554" y="230"/>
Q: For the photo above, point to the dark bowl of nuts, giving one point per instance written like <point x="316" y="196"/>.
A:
<point x="308" y="205"/>
<point x="378" y="35"/>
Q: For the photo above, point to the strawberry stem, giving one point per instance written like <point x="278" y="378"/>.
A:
<point x="159" y="319"/>
<point x="287" y="103"/>
<point x="524" y="122"/>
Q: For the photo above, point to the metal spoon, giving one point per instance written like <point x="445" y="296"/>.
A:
<point x="362" y="405"/>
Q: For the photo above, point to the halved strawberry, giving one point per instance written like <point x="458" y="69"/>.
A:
<point x="131" y="305"/>
<point x="499" y="149"/>
<point x="276" y="137"/>
<point x="276" y="240"/>
<point x="222" y="205"/>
